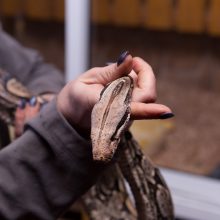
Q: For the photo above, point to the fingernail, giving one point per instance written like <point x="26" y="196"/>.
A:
<point x="166" y="115"/>
<point x="22" y="104"/>
<point x="122" y="57"/>
<point x="33" y="101"/>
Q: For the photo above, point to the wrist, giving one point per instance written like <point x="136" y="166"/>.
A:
<point x="72" y="110"/>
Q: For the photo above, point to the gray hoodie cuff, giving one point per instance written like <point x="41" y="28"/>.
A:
<point x="57" y="132"/>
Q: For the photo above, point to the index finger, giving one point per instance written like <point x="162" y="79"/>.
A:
<point x="146" y="81"/>
<point x="105" y="75"/>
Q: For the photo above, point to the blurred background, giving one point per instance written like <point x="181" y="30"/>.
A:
<point x="180" y="39"/>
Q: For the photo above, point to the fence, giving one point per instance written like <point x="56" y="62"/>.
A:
<point x="187" y="16"/>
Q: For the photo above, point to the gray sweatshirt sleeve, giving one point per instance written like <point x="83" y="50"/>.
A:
<point x="28" y="66"/>
<point x="45" y="170"/>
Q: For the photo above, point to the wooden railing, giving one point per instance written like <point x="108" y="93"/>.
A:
<point x="34" y="9"/>
<point x="187" y="16"/>
<point x="191" y="16"/>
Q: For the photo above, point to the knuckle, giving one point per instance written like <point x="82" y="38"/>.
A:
<point x="149" y="67"/>
<point x="95" y="69"/>
<point x="152" y="98"/>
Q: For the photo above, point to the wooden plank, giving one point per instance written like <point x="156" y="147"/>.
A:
<point x="10" y="7"/>
<point x="213" y="21"/>
<point x="40" y="9"/>
<point x="190" y="16"/>
<point x="158" y="14"/>
<point x="101" y="11"/>
<point x="58" y="10"/>
<point x="126" y="13"/>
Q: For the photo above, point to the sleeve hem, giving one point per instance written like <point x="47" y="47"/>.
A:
<point x="51" y="125"/>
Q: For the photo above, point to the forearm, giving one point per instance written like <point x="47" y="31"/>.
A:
<point x="28" y="66"/>
<point x="43" y="172"/>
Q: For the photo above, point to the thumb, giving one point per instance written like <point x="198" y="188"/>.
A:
<point x="104" y="75"/>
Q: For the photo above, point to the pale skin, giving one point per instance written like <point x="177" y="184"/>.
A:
<point x="22" y="115"/>
<point x="77" y="98"/>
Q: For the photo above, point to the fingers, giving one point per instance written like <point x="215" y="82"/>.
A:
<point x="104" y="75"/>
<point x="145" y="90"/>
<point x="19" y="121"/>
<point x="150" y="111"/>
<point x="122" y="68"/>
<point x="24" y="113"/>
<point x="31" y="111"/>
<point x="144" y="72"/>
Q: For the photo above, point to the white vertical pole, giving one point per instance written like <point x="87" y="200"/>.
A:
<point x="77" y="23"/>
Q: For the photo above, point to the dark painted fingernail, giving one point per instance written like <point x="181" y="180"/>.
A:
<point x="122" y="57"/>
<point x="166" y="115"/>
<point x="22" y="104"/>
<point x="33" y="101"/>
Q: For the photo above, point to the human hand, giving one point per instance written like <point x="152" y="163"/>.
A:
<point x="28" y="110"/>
<point x="24" y="112"/>
<point x="76" y="100"/>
